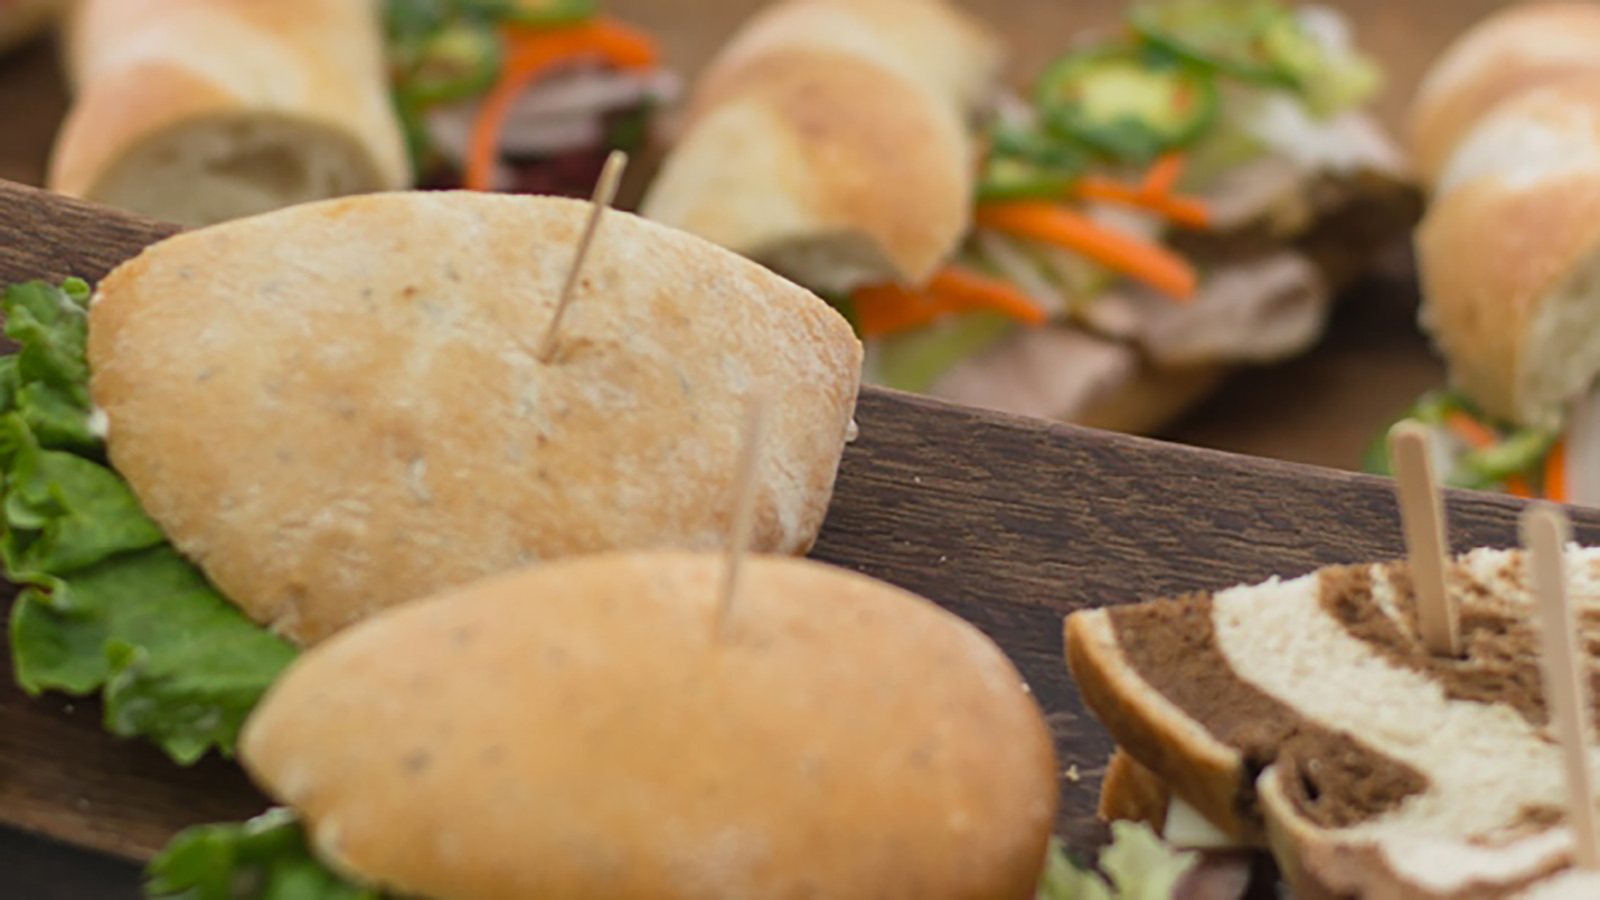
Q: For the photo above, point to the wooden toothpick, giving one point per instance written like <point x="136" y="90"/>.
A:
<point x="1566" y="672"/>
<point x="1422" y="517"/>
<point x="744" y="507"/>
<point x="605" y="192"/>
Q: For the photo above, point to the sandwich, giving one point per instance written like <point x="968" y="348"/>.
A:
<point x="252" y="435"/>
<point x="21" y="20"/>
<point x="201" y="111"/>
<point x="823" y="734"/>
<point x="1509" y="122"/>
<point x="1170" y="201"/>
<point x="1307" y="716"/>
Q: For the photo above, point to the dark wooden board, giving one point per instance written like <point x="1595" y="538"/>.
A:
<point x="1011" y="523"/>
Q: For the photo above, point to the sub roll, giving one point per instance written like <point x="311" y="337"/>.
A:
<point x="1169" y="202"/>
<point x="199" y="111"/>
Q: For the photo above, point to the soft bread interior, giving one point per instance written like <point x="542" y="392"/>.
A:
<point x="225" y="167"/>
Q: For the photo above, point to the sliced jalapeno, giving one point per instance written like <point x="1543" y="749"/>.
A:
<point x="460" y="60"/>
<point x="1125" y="105"/>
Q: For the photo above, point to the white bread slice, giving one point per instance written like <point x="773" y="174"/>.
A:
<point x="831" y="141"/>
<point x="1506" y="53"/>
<point x="1509" y="254"/>
<point x="200" y="111"/>
<point x="1394" y="775"/>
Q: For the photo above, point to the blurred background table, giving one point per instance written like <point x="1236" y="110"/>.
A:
<point x="1320" y="409"/>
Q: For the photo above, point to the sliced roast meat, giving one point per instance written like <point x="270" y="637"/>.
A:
<point x="1050" y="372"/>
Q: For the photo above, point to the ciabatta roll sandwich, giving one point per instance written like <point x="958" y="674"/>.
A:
<point x="1508" y="255"/>
<point x="256" y="434"/>
<point x="1167" y="203"/>
<point x="201" y="111"/>
<point x="1308" y="716"/>
<point x="603" y="727"/>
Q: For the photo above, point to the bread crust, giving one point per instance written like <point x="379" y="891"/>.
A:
<point x="1205" y="772"/>
<point x="147" y="68"/>
<point x="1508" y="230"/>
<point x="830" y="141"/>
<point x="1505" y="54"/>
<point x="580" y="730"/>
<point x="335" y="408"/>
<point x="1132" y="793"/>
<point x="25" y="18"/>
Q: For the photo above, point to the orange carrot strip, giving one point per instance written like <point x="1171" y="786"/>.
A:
<point x="1187" y="211"/>
<point x="1163" y="175"/>
<point x="966" y="289"/>
<point x="1476" y="434"/>
<point x="1555" y="473"/>
<point x="1052" y="224"/>
<point x="889" y="308"/>
<point x="531" y="55"/>
<point x="1517" y="486"/>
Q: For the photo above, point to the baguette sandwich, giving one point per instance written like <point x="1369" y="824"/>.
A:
<point x="201" y="111"/>
<point x="257" y="433"/>
<point x="1508" y="123"/>
<point x="1167" y="204"/>
<point x="1307" y="715"/>
<point x="595" y="728"/>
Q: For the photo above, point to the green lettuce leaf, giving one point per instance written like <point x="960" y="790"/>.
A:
<point x="264" y="859"/>
<point x="1137" y="866"/>
<point x="107" y="605"/>
<point x="1520" y="451"/>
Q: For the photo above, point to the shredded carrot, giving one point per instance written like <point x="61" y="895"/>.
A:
<point x="1053" y="224"/>
<point x="1555" y="473"/>
<point x="965" y="289"/>
<point x="1480" y="437"/>
<point x="1163" y="175"/>
<point x="1182" y="210"/>
<point x="532" y="54"/>
<point x="888" y="308"/>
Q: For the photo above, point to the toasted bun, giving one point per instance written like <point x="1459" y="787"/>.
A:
<point x="1506" y="53"/>
<point x="585" y="730"/>
<point x="1507" y="254"/>
<point x="1132" y="793"/>
<point x="831" y="142"/>
<point x="334" y="408"/>
<point x="22" y="19"/>
<point x="199" y="111"/>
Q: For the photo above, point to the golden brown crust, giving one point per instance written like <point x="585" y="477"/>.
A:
<point x="1505" y="54"/>
<point x="23" y="19"/>
<point x="1507" y="232"/>
<point x="1132" y="793"/>
<point x="579" y="730"/>
<point x="1206" y="773"/>
<point x="335" y="408"/>
<point x="832" y="146"/>
<point x="145" y="68"/>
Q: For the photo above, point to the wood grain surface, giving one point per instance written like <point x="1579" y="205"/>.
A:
<point x="1011" y="523"/>
<point x="1320" y="409"/>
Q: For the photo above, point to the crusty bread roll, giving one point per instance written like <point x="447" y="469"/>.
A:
<point x="586" y="729"/>
<point x="1519" y="47"/>
<point x="22" y="19"/>
<point x="1310" y="711"/>
<point x="831" y="141"/>
<point x="1509" y="253"/>
<point x="335" y="407"/>
<point x="199" y="111"/>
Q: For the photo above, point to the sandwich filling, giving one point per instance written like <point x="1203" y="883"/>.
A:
<point x="107" y="606"/>
<point x="1158" y="193"/>
<point x="1324" y="683"/>
<point x="528" y="96"/>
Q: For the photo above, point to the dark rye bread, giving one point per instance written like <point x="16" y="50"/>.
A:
<point x="1308" y="713"/>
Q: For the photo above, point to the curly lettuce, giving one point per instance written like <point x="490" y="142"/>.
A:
<point x="265" y="858"/>
<point x="107" y="605"/>
<point x="1137" y="866"/>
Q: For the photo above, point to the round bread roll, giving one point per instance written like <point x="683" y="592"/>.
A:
<point x="831" y="141"/>
<point x="586" y="729"/>
<point x="336" y="407"/>
<point x="200" y="111"/>
<point x="1509" y="254"/>
<point x="1506" y="53"/>
<point x="22" y="19"/>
